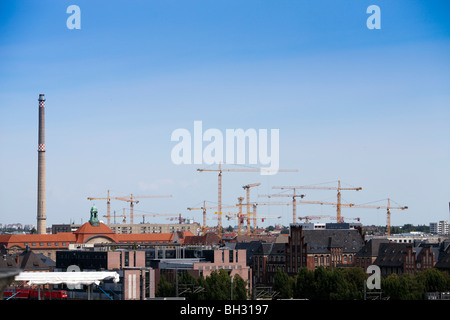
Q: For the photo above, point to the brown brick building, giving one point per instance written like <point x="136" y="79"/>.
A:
<point x="335" y="246"/>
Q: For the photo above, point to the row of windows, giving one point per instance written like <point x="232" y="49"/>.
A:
<point x="345" y="258"/>
<point x="43" y="244"/>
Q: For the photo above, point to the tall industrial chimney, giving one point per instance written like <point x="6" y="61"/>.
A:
<point x="41" y="215"/>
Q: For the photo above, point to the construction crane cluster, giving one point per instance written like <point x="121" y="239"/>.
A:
<point x="297" y="198"/>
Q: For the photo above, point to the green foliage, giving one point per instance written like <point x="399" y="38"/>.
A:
<point x="217" y="286"/>
<point x="329" y="284"/>
<point x="282" y="284"/>
<point x="414" y="287"/>
<point x="165" y="288"/>
<point x="239" y="288"/>
<point x="304" y="287"/>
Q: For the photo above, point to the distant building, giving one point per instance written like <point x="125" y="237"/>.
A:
<point x="368" y="253"/>
<point x="90" y="233"/>
<point x="443" y="262"/>
<point x="335" y="246"/>
<point x="400" y="258"/>
<point x="140" y="270"/>
<point x="120" y="228"/>
<point x="266" y="261"/>
<point x="441" y="227"/>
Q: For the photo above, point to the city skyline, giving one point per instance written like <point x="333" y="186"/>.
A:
<point x="366" y="107"/>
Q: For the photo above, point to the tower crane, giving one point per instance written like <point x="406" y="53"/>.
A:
<point x="131" y="200"/>
<point x="155" y="215"/>
<point x="338" y="188"/>
<point x="307" y="218"/>
<point x="220" y="170"/>
<point x="388" y="209"/>
<point x="294" y="201"/>
<point x="247" y="188"/>
<point x="108" y="206"/>
<point x="124" y="220"/>
<point x="204" y="208"/>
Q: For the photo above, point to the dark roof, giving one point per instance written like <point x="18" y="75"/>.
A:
<point x="444" y="258"/>
<point x="321" y="241"/>
<point x="370" y="249"/>
<point x="208" y="239"/>
<point x="256" y="237"/>
<point x="7" y="262"/>
<point x="29" y="261"/>
<point x="264" y="248"/>
<point x="47" y="261"/>
<point x="278" y="248"/>
<point x="391" y="254"/>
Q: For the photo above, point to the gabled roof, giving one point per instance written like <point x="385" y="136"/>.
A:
<point x="391" y="254"/>
<point x="29" y="261"/>
<point x="8" y="262"/>
<point x="321" y="241"/>
<point x="370" y="249"/>
<point x="444" y="258"/>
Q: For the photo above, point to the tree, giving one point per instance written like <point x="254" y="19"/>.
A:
<point x="165" y="288"/>
<point x="339" y="287"/>
<point x="282" y="283"/>
<point x="187" y="284"/>
<point x="304" y="287"/>
<point x="392" y="287"/>
<point x="355" y="278"/>
<point x="239" y="288"/>
<point x="412" y="288"/>
<point x="322" y="283"/>
<point x="433" y="280"/>
<point x="218" y="285"/>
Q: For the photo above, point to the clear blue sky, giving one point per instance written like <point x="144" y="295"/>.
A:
<point x="368" y="107"/>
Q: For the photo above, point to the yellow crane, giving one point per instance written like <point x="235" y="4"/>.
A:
<point x="388" y="209"/>
<point x="294" y="201"/>
<point x="143" y="215"/>
<point x="240" y="216"/>
<point x="220" y="170"/>
<point x="131" y="200"/>
<point x="124" y="220"/>
<point x="247" y="188"/>
<point x="204" y="208"/>
<point x="338" y="188"/>
<point x="307" y="218"/>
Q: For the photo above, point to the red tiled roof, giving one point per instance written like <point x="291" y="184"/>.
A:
<point x="145" y="237"/>
<point x="83" y="234"/>
<point x="87" y="230"/>
<point x="38" y="240"/>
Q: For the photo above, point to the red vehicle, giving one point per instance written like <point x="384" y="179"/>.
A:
<point x="17" y="294"/>
<point x="34" y="294"/>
